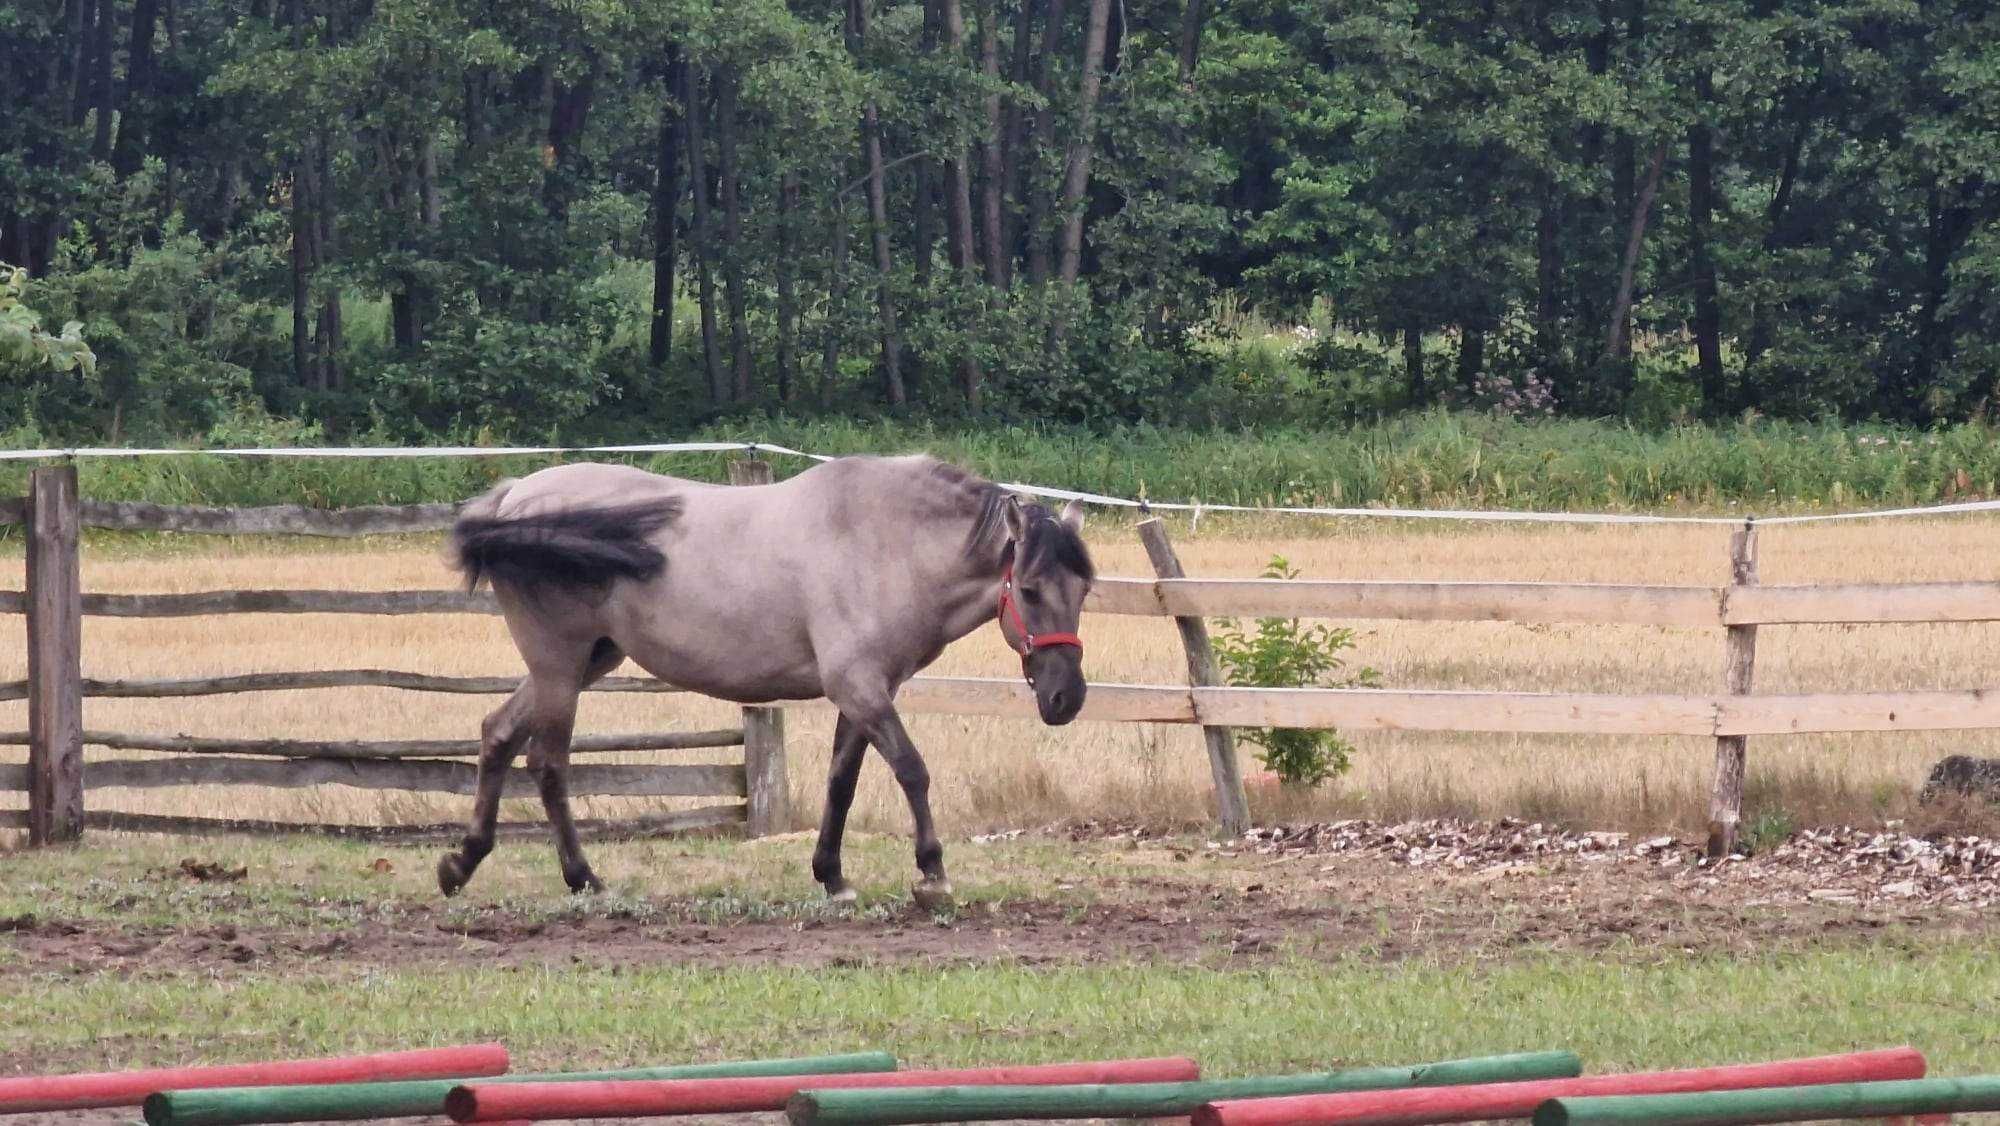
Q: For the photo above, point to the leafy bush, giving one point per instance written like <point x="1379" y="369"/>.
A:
<point x="1282" y="653"/>
<point x="25" y="347"/>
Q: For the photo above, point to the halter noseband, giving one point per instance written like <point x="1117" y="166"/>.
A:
<point x="1030" y="640"/>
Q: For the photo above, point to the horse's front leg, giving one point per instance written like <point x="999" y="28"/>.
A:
<point x="850" y="746"/>
<point x="933" y="891"/>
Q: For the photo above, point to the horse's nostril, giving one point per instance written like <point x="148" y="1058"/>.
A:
<point x="1058" y="702"/>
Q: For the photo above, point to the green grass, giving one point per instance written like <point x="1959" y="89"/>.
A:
<point x="1434" y="459"/>
<point x="1677" y="1010"/>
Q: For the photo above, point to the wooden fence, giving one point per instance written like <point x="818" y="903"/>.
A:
<point x="56" y="778"/>
<point x="55" y="686"/>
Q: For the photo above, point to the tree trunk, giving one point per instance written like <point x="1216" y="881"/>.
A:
<point x="105" y="92"/>
<point x="702" y="234"/>
<point x="1548" y="277"/>
<point x="666" y="200"/>
<point x="992" y="164"/>
<point x="878" y="218"/>
<point x="1775" y="217"/>
<point x="1076" y="173"/>
<point x="958" y="236"/>
<point x="1413" y="361"/>
<point x="836" y="291"/>
<point x="1039" y="199"/>
<point x="1471" y="355"/>
<point x="326" y="243"/>
<point x="727" y="87"/>
<point x="925" y="177"/>
<point x="130" y="151"/>
<point x="427" y="181"/>
<point x="923" y="223"/>
<point x="788" y="266"/>
<point x="1013" y="137"/>
<point x="569" y="113"/>
<point x="302" y="256"/>
<point x="476" y="92"/>
<point x="1701" y="212"/>
<point x="1618" y="340"/>
<point x="1193" y="13"/>
<point x="83" y="38"/>
<point x="75" y="54"/>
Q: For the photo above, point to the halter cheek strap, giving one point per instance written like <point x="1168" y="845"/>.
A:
<point x="1030" y="641"/>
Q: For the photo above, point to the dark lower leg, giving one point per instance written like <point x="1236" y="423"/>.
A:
<point x="500" y="741"/>
<point x="850" y="746"/>
<point x="554" y="779"/>
<point x="896" y="746"/>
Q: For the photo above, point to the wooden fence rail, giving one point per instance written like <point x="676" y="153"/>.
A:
<point x="55" y="685"/>
<point x="174" y="687"/>
<point x="1691" y="607"/>
<point x="380" y="748"/>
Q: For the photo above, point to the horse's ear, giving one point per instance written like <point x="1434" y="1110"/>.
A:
<point x="1017" y="518"/>
<point x="1072" y="516"/>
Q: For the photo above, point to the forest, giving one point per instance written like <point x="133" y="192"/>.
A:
<point x="397" y="220"/>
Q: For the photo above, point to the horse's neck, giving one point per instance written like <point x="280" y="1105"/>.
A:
<point x="971" y="593"/>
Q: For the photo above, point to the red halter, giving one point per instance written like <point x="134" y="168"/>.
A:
<point x="1030" y="641"/>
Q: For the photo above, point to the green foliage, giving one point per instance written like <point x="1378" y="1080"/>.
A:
<point x="28" y="351"/>
<point x="413" y="217"/>
<point x="1767" y="829"/>
<point x="1282" y="653"/>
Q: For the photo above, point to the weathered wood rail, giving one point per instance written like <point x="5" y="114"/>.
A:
<point x="54" y="604"/>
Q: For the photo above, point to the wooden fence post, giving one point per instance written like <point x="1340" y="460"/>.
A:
<point x="1725" y="804"/>
<point x="1232" y="808"/>
<point x="55" y="658"/>
<point x="770" y="794"/>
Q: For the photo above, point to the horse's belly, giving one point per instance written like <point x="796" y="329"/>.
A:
<point x="751" y="659"/>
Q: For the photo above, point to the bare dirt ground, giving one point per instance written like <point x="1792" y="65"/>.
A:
<point x="1436" y="889"/>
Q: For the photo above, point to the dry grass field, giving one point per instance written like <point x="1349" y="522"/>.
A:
<point x="995" y="773"/>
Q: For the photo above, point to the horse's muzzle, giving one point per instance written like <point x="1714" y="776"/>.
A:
<point x="1059" y="684"/>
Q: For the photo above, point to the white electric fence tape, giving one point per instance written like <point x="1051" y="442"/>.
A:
<point x="1196" y="508"/>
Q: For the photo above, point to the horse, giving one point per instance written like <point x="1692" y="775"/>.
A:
<point x="842" y="583"/>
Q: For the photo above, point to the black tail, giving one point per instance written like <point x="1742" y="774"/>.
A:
<point x="570" y="547"/>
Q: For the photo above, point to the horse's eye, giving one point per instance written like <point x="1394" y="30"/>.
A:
<point x="1031" y="596"/>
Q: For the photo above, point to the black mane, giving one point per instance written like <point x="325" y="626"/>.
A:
<point x="1046" y="537"/>
<point x="1050" y="539"/>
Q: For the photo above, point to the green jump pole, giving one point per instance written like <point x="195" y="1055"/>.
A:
<point x="347" y="1102"/>
<point x="1778" y="1104"/>
<point x="1149" y="1100"/>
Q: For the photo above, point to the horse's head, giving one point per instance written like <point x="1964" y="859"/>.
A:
<point x="1048" y="573"/>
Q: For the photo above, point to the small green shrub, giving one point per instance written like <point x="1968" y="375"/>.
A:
<point x="1282" y="653"/>
<point x="1767" y="829"/>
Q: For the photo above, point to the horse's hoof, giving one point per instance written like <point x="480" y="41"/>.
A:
<point x="844" y="899"/>
<point x="451" y="875"/>
<point x="584" y="882"/>
<point x="933" y="895"/>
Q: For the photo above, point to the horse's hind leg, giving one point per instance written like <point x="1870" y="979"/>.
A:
<point x="850" y="746"/>
<point x="548" y="756"/>
<point x="500" y="738"/>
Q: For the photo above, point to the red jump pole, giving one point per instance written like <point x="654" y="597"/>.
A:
<point x="1417" y="1106"/>
<point x="130" y="1088"/>
<point x="498" y="1102"/>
